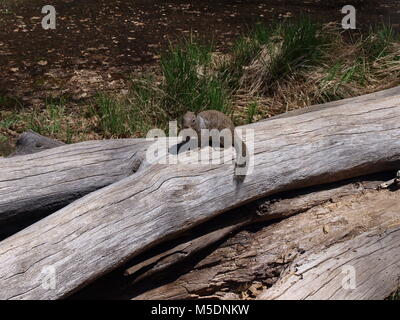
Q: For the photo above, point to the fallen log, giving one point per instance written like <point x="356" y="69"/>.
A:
<point x="307" y="256"/>
<point x="364" y="268"/>
<point x="367" y="98"/>
<point x="35" y="185"/>
<point x="106" y="228"/>
<point x="153" y="267"/>
<point x="31" y="142"/>
<point x="271" y="208"/>
<point x="21" y="204"/>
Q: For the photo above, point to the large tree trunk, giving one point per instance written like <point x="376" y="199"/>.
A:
<point x="106" y="228"/>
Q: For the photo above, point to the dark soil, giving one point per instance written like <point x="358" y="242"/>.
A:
<point x="98" y="43"/>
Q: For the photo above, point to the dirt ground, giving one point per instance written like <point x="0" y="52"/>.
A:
<point x="98" y="44"/>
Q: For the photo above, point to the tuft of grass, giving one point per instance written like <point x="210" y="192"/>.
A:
<point x="131" y="115"/>
<point x="244" y="51"/>
<point x="252" y="110"/>
<point x="111" y="115"/>
<point x="49" y="121"/>
<point x="301" y="47"/>
<point x="189" y="81"/>
<point x="378" y="42"/>
<point x="8" y="122"/>
<point x="395" y="295"/>
<point x="270" y="53"/>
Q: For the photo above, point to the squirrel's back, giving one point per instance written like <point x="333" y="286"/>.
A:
<point x="216" y="120"/>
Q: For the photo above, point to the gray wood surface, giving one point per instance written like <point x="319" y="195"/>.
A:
<point x="276" y="207"/>
<point x="104" y="229"/>
<point x="31" y="142"/>
<point x="306" y="256"/>
<point x="363" y="268"/>
<point x="53" y="178"/>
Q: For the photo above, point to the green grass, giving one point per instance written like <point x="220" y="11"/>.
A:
<point x="378" y="42"/>
<point x="273" y="52"/>
<point x="8" y="122"/>
<point x="370" y="61"/>
<point x="252" y="110"/>
<point x="189" y="81"/>
<point x="134" y="114"/>
<point x="50" y="121"/>
<point x="111" y="113"/>
<point x="395" y="295"/>
<point x="279" y="66"/>
<point x="269" y="70"/>
<point x="301" y="47"/>
<point x="244" y="50"/>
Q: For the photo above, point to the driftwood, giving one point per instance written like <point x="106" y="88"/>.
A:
<point x="107" y="227"/>
<point x="307" y="256"/>
<point x="372" y="259"/>
<point x="271" y="208"/>
<point x="36" y="184"/>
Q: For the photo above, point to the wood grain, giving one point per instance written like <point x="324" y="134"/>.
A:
<point x="301" y="257"/>
<point x="104" y="229"/>
<point x="53" y="178"/>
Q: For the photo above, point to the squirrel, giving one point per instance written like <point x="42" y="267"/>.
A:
<point x="213" y="119"/>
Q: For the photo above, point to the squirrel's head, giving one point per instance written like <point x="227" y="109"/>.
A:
<point x="189" y="120"/>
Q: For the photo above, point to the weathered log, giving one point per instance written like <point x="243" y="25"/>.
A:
<point x="167" y="260"/>
<point x="304" y="256"/>
<point x="112" y="225"/>
<point x="364" y="268"/>
<point x="367" y="98"/>
<point x="40" y="183"/>
<point x="24" y="208"/>
<point x="271" y="208"/>
<point x="31" y="142"/>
